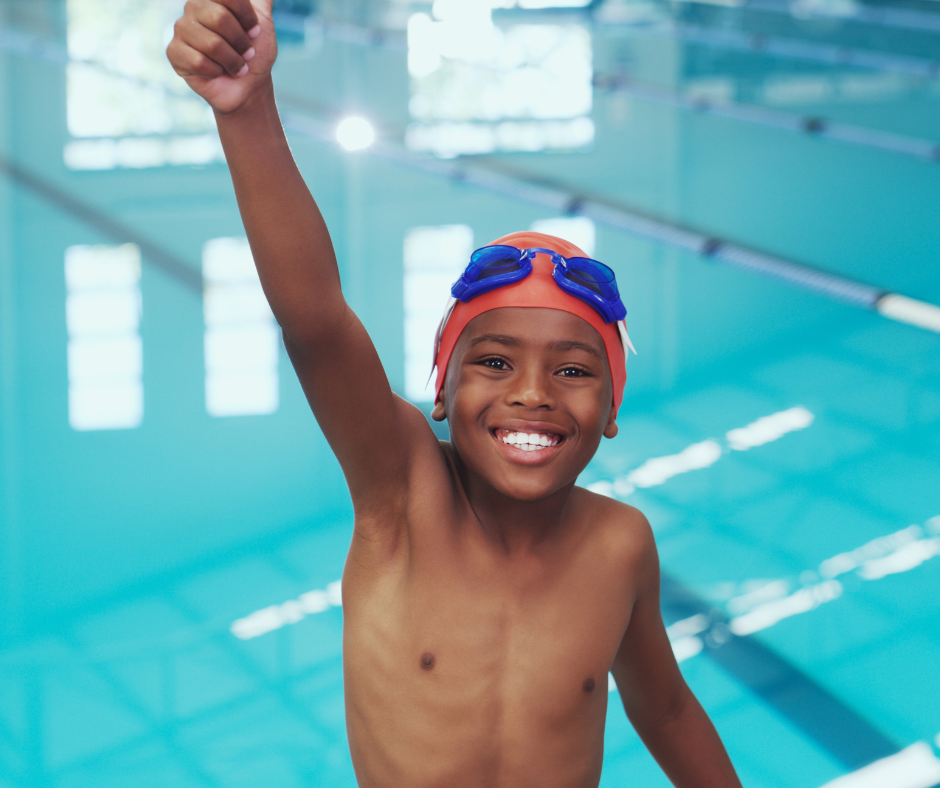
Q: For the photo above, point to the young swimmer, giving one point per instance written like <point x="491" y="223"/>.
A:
<point x="485" y="596"/>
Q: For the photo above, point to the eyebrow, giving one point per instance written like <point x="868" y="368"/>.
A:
<point x="499" y="339"/>
<point x="562" y="345"/>
<point x="570" y="344"/>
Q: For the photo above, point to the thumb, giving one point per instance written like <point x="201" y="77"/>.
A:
<point x="263" y="7"/>
<point x="248" y="12"/>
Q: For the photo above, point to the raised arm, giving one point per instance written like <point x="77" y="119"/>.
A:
<point x="660" y="705"/>
<point x="225" y="49"/>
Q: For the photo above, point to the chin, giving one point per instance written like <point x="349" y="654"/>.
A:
<point x="529" y="490"/>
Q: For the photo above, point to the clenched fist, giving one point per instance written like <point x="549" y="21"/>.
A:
<point x="224" y="49"/>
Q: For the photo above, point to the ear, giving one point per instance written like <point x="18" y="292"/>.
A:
<point x="611" y="429"/>
<point x="439" y="413"/>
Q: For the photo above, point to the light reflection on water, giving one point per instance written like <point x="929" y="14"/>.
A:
<point x="241" y="339"/>
<point x="105" y="353"/>
<point x="132" y="551"/>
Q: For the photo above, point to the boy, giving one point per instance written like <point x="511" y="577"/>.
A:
<point x="485" y="596"/>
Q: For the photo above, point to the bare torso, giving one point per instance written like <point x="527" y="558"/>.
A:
<point x="477" y="638"/>
<point x="470" y="665"/>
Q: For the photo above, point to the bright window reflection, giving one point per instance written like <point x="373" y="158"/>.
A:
<point x="124" y="102"/>
<point x="578" y="230"/>
<point x="476" y="87"/>
<point x="553" y="3"/>
<point x="434" y="258"/>
<point x="105" y="354"/>
<point x="241" y="337"/>
<point x="139" y="152"/>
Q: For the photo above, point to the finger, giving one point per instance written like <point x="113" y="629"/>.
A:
<point x="244" y="12"/>
<point x="188" y="62"/>
<point x="220" y="20"/>
<point x="216" y="48"/>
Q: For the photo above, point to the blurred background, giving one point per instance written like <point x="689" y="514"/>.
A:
<point x="764" y="177"/>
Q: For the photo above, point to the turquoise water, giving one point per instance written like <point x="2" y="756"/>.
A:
<point x="129" y="551"/>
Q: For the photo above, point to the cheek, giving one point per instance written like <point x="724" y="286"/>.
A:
<point x="591" y="411"/>
<point x="466" y="400"/>
<point x="471" y="385"/>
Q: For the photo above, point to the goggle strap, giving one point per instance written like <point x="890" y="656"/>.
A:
<point x="451" y="303"/>
<point x="625" y="338"/>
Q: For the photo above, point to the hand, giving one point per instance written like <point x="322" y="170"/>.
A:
<point x="224" y="49"/>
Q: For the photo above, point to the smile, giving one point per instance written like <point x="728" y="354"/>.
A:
<point x="528" y="441"/>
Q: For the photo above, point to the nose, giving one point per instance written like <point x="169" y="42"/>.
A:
<point x="531" y="388"/>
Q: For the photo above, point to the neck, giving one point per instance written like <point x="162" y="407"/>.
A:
<point x="513" y="524"/>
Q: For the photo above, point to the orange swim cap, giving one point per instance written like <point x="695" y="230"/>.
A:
<point x="538" y="289"/>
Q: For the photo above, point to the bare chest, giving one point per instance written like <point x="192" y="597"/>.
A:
<point x="454" y="649"/>
<point x="450" y="614"/>
<point x="483" y="635"/>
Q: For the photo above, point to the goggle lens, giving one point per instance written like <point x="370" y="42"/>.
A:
<point x="495" y="260"/>
<point x="590" y="274"/>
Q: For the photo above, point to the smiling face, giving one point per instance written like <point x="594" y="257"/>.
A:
<point x="528" y="395"/>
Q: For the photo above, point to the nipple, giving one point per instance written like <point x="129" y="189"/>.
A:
<point x="588" y="685"/>
<point x="427" y="661"/>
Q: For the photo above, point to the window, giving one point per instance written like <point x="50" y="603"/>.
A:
<point x="105" y="354"/>
<point x="578" y="230"/>
<point x="125" y="105"/>
<point x="434" y="258"/>
<point x="477" y="88"/>
<point x="241" y="338"/>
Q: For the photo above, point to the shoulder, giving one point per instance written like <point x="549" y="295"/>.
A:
<point x="621" y="531"/>
<point x="613" y="515"/>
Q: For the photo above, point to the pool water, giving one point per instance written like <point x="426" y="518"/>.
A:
<point x="170" y="614"/>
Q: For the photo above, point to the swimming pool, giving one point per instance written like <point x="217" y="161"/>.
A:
<point x="170" y="611"/>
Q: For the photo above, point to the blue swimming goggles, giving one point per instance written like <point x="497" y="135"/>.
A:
<point x="589" y="280"/>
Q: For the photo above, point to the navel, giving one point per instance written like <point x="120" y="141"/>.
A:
<point x="588" y="685"/>
<point x="427" y="661"/>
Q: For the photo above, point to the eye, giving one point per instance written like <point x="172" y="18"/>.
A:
<point x="573" y="372"/>
<point x="494" y="362"/>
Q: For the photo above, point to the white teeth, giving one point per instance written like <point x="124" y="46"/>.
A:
<point x="530" y="441"/>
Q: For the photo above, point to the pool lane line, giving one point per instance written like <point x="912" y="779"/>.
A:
<point x="528" y="188"/>
<point x="771" y="45"/>
<point x="756" y="43"/>
<point x="878" y="16"/>
<point x="790" y="48"/>
<point x="909" y="310"/>
<point x="810" y="125"/>
<point x="395" y="40"/>
<point x="891" y="305"/>
<point x="531" y="189"/>
<point x="705" y="628"/>
<point x="916" y="766"/>
<point x="819" y="714"/>
<point x="161" y="258"/>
